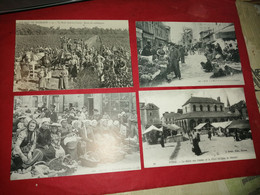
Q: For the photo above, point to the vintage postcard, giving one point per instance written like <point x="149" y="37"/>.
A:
<point x="61" y="135"/>
<point x="182" y="127"/>
<point x="72" y="54"/>
<point x="187" y="54"/>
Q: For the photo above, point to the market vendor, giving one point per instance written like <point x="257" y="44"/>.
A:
<point x="160" y="52"/>
<point x="56" y="140"/>
<point x="44" y="140"/>
<point x="24" y="153"/>
<point x="147" y="49"/>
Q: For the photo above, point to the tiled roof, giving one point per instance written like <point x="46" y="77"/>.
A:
<point x="202" y="100"/>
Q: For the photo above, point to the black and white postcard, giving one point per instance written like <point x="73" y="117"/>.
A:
<point x="61" y="135"/>
<point x="187" y="54"/>
<point x="72" y="54"/>
<point x="182" y="127"/>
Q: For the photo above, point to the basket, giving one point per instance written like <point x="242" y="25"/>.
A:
<point x="89" y="160"/>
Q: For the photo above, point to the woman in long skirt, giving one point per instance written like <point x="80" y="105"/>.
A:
<point x="195" y="142"/>
<point x="42" y="78"/>
<point x="63" y="80"/>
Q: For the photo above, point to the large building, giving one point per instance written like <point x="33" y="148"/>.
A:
<point x="187" y="38"/>
<point x="198" y="110"/>
<point x="225" y="31"/>
<point x="149" y="114"/>
<point x="154" y="32"/>
<point x="207" y="36"/>
<point x="169" y="117"/>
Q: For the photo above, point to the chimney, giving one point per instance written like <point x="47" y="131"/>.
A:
<point x="218" y="99"/>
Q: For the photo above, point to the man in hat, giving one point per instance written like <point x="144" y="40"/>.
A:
<point x="147" y="49"/>
<point x="52" y="114"/>
<point x="174" y="59"/>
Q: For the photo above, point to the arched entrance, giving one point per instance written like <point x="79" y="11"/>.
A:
<point x="192" y="124"/>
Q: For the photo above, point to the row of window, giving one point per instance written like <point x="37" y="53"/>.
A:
<point x="200" y="108"/>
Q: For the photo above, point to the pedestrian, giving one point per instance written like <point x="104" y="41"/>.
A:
<point x="209" y="134"/>
<point x="182" y="54"/>
<point x="174" y="61"/>
<point x="162" y="140"/>
<point x="195" y="142"/>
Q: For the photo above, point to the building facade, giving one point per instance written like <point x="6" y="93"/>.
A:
<point x="149" y="114"/>
<point x="207" y="36"/>
<point x="203" y="110"/>
<point x="154" y="32"/>
<point x="169" y="117"/>
<point x="110" y="103"/>
<point x="187" y="38"/>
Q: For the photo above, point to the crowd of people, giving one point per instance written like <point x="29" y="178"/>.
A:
<point x="86" y="64"/>
<point x="163" y="61"/>
<point x="217" y="55"/>
<point x="42" y="135"/>
<point x="170" y="55"/>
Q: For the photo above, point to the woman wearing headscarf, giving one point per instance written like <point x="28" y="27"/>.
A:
<point x="44" y="140"/>
<point x="24" y="153"/>
<point x="71" y="140"/>
<point x="56" y="140"/>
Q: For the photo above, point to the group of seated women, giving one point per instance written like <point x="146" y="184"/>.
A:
<point x="43" y="140"/>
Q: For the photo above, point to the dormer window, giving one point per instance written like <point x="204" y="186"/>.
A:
<point x="194" y="108"/>
<point x="208" y="108"/>
<point x="201" y="108"/>
<point x="216" y="108"/>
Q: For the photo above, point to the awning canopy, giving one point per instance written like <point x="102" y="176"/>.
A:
<point x="240" y="124"/>
<point x="172" y="127"/>
<point x="221" y="124"/>
<point x="151" y="128"/>
<point x="199" y="126"/>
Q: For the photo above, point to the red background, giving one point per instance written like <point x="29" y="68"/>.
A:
<point x="134" y="10"/>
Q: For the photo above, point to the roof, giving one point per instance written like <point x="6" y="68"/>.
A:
<point x="202" y="100"/>
<point x="230" y="28"/>
<point x="221" y="124"/>
<point x="199" y="126"/>
<point x="151" y="106"/>
<point x="205" y="114"/>
<point x="172" y="127"/>
<point x="171" y="114"/>
<point x="240" y="124"/>
<point x="152" y="128"/>
<point x="205" y="31"/>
